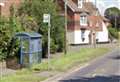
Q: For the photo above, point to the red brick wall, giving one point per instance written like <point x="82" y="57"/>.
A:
<point x="7" y="4"/>
<point x="77" y="21"/>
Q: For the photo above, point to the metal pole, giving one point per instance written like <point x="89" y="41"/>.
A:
<point x="65" y="34"/>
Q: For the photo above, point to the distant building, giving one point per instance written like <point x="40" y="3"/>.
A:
<point x="85" y="24"/>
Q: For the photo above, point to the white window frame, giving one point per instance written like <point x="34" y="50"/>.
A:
<point x="83" y="20"/>
<point x="80" y="3"/>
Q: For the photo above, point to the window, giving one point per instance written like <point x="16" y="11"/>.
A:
<point x="80" y="3"/>
<point x="83" y="20"/>
<point x="83" y="35"/>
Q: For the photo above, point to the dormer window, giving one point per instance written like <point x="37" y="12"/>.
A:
<point x="80" y="3"/>
<point x="83" y="20"/>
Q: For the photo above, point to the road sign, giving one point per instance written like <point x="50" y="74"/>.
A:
<point x="46" y="18"/>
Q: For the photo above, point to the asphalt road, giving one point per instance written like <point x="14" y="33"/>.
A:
<point x="104" y="69"/>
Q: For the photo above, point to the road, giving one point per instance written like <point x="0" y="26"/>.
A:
<point x="104" y="69"/>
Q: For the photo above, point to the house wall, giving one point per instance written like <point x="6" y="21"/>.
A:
<point x="70" y="18"/>
<point x="78" y="38"/>
<point x="102" y="36"/>
<point x="74" y="37"/>
<point x="77" y="21"/>
<point x="74" y="30"/>
<point x="5" y="10"/>
<point x="71" y="37"/>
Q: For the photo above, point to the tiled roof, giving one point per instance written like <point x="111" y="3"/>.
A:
<point x="95" y="22"/>
<point x="74" y="7"/>
<point x="87" y="7"/>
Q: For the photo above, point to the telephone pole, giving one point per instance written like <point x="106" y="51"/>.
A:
<point x="65" y="31"/>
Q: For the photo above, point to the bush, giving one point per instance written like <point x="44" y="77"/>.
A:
<point x="53" y="46"/>
<point x="8" y="28"/>
<point x="4" y="37"/>
<point x="113" y="32"/>
<point x="31" y="14"/>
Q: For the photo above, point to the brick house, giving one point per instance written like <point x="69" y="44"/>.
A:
<point x="5" y="6"/>
<point x="85" y="24"/>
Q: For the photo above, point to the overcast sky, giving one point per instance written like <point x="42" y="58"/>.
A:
<point x="104" y="4"/>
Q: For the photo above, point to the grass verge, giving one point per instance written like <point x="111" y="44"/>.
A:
<point x="66" y="62"/>
<point x="63" y="63"/>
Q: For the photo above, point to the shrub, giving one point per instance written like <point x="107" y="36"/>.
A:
<point x="8" y="27"/>
<point x="4" y="37"/>
<point x="31" y="14"/>
<point x="113" y="32"/>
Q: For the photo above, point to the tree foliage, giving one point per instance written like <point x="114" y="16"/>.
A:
<point x="8" y="27"/>
<point x="113" y="14"/>
<point x="29" y="18"/>
<point x="31" y="14"/>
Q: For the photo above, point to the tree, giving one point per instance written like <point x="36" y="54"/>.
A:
<point x="113" y="14"/>
<point x="33" y="10"/>
<point x="8" y="27"/>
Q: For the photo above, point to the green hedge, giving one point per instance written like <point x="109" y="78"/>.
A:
<point x="113" y="32"/>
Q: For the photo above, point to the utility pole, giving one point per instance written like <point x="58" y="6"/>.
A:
<point x="1" y="70"/>
<point x="65" y="31"/>
<point x="94" y="31"/>
<point x="115" y="22"/>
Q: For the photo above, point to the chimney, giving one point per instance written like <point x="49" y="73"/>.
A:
<point x="80" y="3"/>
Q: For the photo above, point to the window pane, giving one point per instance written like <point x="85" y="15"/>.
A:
<point x="83" y="20"/>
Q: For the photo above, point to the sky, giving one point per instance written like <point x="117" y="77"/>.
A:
<point x="104" y="4"/>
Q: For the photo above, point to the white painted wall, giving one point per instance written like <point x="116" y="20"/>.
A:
<point x="102" y="36"/>
<point x="78" y="39"/>
<point x="75" y="37"/>
<point x="70" y="37"/>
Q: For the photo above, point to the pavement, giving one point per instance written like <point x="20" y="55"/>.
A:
<point x="103" y="69"/>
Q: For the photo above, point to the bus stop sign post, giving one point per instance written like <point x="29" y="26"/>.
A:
<point x="46" y="19"/>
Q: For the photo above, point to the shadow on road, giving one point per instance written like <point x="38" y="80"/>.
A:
<point x="115" y="57"/>
<point x="95" y="79"/>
